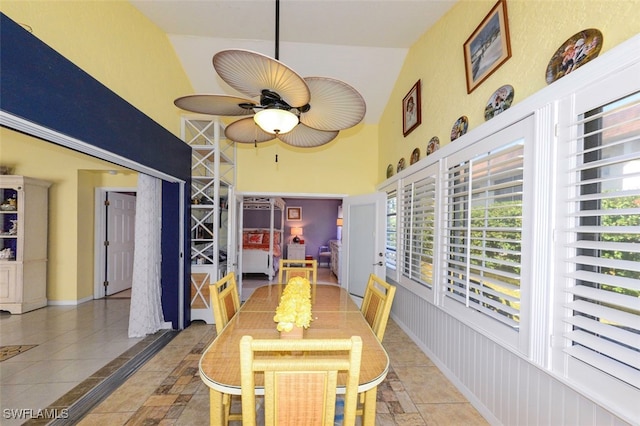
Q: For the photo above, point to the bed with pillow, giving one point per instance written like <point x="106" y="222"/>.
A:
<point x="261" y="251"/>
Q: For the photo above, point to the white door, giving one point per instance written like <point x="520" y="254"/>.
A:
<point x="363" y="241"/>
<point x="121" y="215"/>
<point x="231" y="230"/>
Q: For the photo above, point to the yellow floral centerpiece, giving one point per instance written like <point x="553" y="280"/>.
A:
<point x="294" y="309"/>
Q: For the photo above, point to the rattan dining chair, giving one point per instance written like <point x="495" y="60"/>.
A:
<point x="225" y="302"/>
<point x="289" y="268"/>
<point x="299" y="389"/>
<point x="376" y="307"/>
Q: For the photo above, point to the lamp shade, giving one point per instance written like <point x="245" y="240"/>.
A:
<point x="275" y="120"/>
<point x="296" y="232"/>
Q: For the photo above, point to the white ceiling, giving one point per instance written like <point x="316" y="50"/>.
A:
<point x="362" y="42"/>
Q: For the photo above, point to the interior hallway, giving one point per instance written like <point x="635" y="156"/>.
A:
<point x="77" y="347"/>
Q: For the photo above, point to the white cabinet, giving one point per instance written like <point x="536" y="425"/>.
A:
<point x="336" y="248"/>
<point x="212" y="180"/>
<point x="23" y="243"/>
<point x="296" y="251"/>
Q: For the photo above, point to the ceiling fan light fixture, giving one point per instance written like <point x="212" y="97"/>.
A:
<point x="276" y="121"/>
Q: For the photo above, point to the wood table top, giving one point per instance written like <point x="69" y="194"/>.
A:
<point x="335" y="316"/>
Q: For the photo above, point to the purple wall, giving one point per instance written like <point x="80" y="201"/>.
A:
<point x="318" y="221"/>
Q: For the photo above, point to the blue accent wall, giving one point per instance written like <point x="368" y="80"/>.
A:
<point x="41" y="86"/>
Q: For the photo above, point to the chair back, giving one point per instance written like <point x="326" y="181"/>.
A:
<point x="301" y="388"/>
<point x="324" y="255"/>
<point x="376" y="306"/>
<point x="224" y="300"/>
<point x="290" y="268"/>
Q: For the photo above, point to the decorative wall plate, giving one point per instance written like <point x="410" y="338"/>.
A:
<point x="389" y="170"/>
<point x="460" y="127"/>
<point x="415" y="156"/>
<point x="401" y="165"/>
<point x="433" y="145"/>
<point x="579" y="49"/>
<point x="500" y="100"/>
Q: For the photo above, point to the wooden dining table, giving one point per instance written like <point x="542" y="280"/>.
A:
<point x="335" y="316"/>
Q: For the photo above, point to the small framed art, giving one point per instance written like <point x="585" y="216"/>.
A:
<point x="488" y="47"/>
<point x="294" y="213"/>
<point x="411" y="110"/>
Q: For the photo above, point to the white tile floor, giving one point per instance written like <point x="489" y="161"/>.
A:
<point x="73" y="343"/>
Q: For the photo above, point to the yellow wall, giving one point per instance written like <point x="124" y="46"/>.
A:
<point x="343" y="166"/>
<point x="537" y="29"/>
<point x="74" y="177"/>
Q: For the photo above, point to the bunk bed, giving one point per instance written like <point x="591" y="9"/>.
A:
<point x="262" y="247"/>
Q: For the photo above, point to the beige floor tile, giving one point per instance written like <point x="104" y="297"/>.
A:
<point x="147" y="378"/>
<point x="196" y="412"/>
<point x="407" y="354"/>
<point x="409" y="419"/>
<point x="463" y="414"/>
<point x="160" y="400"/>
<point x="128" y="397"/>
<point x="108" y="419"/>
<point x="428" y="385"/>
<point x="383" y="419"/>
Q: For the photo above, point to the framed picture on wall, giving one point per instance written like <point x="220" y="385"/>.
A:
<point x="294" y="213"/>
<point x="411" y="110"/>
<point x="488" y="47"/>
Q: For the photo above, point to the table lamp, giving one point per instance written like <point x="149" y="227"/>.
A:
<point x="296" y="232"/>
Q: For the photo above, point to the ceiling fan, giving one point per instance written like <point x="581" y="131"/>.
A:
<point x="302" y="112"/>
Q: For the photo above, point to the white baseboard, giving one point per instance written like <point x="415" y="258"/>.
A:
<point x="69" y="302"/>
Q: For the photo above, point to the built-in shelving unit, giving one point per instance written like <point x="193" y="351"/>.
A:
<point x="213" y="176"/>
<point x="23" y="243"/>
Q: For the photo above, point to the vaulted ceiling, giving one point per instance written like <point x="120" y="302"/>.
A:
<point x="362" y="42"/>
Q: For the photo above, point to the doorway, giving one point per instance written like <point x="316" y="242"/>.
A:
<point x="114" y="240"/>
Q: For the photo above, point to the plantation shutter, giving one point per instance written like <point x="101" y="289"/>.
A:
<point x="418" y="225"/>
<point x="604" y="236"/>
<point x="484" y="231"/>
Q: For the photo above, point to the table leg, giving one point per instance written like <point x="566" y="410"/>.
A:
<point x="369" y="409"/>
<point x="216" y="408"/>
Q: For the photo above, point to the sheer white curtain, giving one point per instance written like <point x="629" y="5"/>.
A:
<point x="145" y="316"/>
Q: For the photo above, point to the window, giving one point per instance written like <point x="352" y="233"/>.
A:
<point x="603" y="311"/>
<point x="391" y="242"/>
<point x="484" y="232"/>
<point x="418" y="229"/>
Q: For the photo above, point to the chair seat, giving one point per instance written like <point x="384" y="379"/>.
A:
<point x="324" y="255"/>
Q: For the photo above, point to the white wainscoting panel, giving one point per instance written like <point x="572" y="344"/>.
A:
<point x="505" y="388"/>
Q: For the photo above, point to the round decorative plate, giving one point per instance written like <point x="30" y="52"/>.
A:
<point x="389" y="171"/>
<point x="433" y="145"/>
<point x="579" y="49"/>
<point x="415" y="156"/>
<point x="401" y="165"/>
<point x="500" y="100"/>
<point x="460" y="127"/>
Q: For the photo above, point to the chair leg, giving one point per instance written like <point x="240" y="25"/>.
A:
<point x="360" y="406"/>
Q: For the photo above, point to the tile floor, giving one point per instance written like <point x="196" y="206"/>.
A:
<point x="73" y="342"/>
<point x="167" y="389"/>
